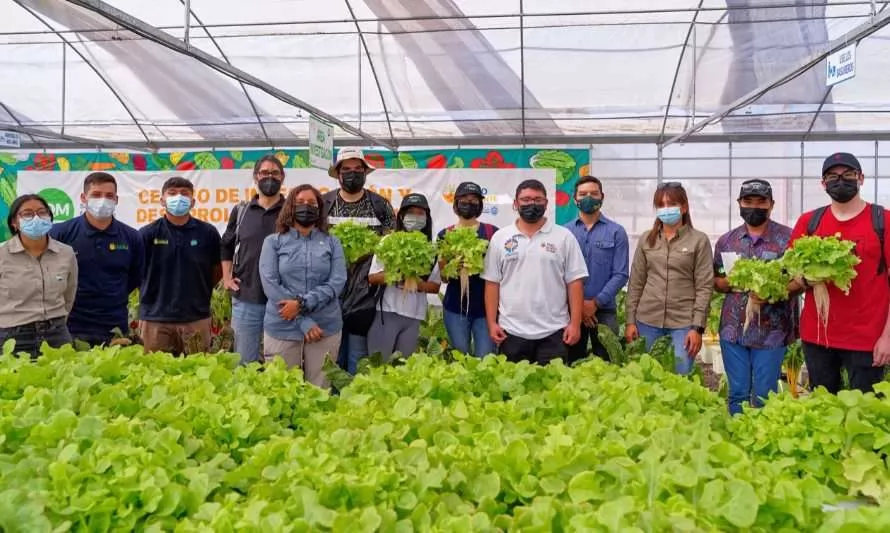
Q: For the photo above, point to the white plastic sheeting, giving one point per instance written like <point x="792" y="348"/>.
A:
<point x="455" y="71"/>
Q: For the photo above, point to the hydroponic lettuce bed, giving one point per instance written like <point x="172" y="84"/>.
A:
<point x="114" y="440"/>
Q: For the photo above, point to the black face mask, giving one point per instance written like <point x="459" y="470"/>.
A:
<point x="468" y="210"/>
<point x="353" y="182"/>
<point x="842" y="190"/>
<point x="531" y="213"/>
<point x="305" y="215"/>
<point x="754" y="216"/>
<point x="269" y="186"/>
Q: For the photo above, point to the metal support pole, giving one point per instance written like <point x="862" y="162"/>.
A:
<point x="874" y="8"/>
<point x="359" y="41"/>
<point x="660" y="164"/>
<point x="875" y="178"/>
<point x="188" y="22"/>
<point x="802" y="157"/>
<point x="64" y="83"/>
<point x="522" y="69"/>
<point x="731" y="210"/>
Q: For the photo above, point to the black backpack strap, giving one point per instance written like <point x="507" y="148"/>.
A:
<point x="813" y="225"/>
<point x="877" y="222"/>
<point x="379" y="205"/>
<point x="328" y="200"/>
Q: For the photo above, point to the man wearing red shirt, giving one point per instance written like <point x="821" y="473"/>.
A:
<point x="857" y="336"/>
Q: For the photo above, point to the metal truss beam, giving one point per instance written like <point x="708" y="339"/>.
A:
<point x="143" y="29"/>
<point x="70" y="141"/>
<point x="860" y="32"/>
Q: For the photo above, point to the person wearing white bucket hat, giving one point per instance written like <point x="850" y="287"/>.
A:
<point x="352" y="201"/>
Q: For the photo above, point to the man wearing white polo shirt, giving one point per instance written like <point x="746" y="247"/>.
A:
<point x="534" y="290"/>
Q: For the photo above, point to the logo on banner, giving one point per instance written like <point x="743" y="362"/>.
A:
<point x="59" y="203"/>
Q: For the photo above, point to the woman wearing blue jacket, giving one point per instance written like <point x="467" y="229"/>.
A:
<point x="303" y="272"/>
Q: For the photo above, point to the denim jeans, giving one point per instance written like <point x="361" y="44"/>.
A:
<point x="462" y="329"/>
<point x="247" y="323"/>
<point x="353" y="348"/>
<point x="751" y="372"/>
<point x="678" y="337"/>
<point x="29" y="337"/>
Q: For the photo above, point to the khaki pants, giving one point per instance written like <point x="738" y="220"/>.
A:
<point x="184" y="338"/>
<point x="309" y="357"/>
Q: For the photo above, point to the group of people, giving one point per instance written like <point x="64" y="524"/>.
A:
<point x="544" y="290"/>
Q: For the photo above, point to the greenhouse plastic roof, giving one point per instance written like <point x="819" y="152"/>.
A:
<point x="422" y="72"/>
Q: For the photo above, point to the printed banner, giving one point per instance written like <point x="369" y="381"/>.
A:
<point x="491" y="168"/>
<point x="218" y="191"/>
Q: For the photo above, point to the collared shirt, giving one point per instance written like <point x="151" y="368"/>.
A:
<point x="35" y="289"/>
<point x="257" y="224"/>
<point x="533" y="274"/>
<point x="110" y="264"/>
<point x="312" y="267"/>
<point x="777" y="325"/>
<point x="181" y="265"/>
<point x="607" y="256"/>
<point x="672" y="281"/>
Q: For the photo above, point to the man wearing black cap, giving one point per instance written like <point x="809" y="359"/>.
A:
<point x="857" y="335"/>
<point x="465" y="317"/>
<point x="753" y="357"/>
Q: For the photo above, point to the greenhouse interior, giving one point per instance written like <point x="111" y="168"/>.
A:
<point x="637" y="93"/>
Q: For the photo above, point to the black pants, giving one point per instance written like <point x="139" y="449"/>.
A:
<point x="824" y="367"/>
<point x="540" y="351"/>
<point x="29" y="337"/>
<point x="579" y="351"/>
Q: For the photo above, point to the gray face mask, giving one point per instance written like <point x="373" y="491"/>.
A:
<point x="414" y="222"/>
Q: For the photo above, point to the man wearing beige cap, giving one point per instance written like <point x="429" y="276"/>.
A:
<point x="352" y="201"/>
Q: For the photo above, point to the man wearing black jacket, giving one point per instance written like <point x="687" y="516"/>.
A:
<point x="249" y="225"/>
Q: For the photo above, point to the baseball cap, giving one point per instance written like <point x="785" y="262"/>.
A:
<point x="349" y="153"/>
<point x="760" y="188"/>
<point x="415" y="199"/>
<point x="468" y="187"/>
<point x="843" y="159"/>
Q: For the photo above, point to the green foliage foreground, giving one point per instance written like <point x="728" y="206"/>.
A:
<point x="114" y="440"/>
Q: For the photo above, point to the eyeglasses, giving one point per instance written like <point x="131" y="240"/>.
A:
<point x="29" y="214"/>
<point x="849" y="175"/>
<point x="269" y="174"/>
<point x="537" y="200"/>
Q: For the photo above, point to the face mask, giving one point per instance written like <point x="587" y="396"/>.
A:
<point x="101" y="208"/>
<point x="178" y="205"/>
<point x="669" y="215"/>
<point x="754" y="216"/>
<point x="269" y="186"/>
<point x="353" y="182"/>
<point x="468" y="210"/>
<point x="589" y="205"/>
<point x="531" y="213"/>
<point x="414" y="222"/>
<point x="842" y="190"/>
<point x="35" y="228"/>
<point x="306" y="215"/>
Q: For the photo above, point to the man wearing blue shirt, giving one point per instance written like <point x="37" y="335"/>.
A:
<point x="606" y="252"/>
<point x="110" y="258"/>
<point x="182" y="265"/>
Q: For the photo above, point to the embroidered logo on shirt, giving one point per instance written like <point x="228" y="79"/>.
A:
<point x="194" y="242"/>
<point x="161" y="242"/>
<point x="512" y="245"/>
<point x="550" y="247"/>
<point x="118" y="246"/>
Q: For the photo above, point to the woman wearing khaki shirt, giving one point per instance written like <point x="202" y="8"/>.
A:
<point x="671" y="279"/>
<point x="38" y="279"/>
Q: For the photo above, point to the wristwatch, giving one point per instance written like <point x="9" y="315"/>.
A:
<point x="699" y="329"/>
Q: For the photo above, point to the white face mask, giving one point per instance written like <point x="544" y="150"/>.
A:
<point x="414" y="222"/>
<point x="101" y="208"/>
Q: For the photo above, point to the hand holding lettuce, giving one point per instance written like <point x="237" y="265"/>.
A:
<point x="767" y="279"/>
<point x="464" y="255"/>
<point x="358" y="240"/>
<point x="407" y="256"/>
<point x="821" y="260"/>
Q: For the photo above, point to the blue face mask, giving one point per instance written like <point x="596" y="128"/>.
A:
<point x="669" y="215"/>
<point x="36" y="227"/>
<point x="178" y="205"/>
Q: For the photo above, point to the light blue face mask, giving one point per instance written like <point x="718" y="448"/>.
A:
<point x="178" y="205"/>
<point x="35" y="227"/>
<point x="669" y="215"/>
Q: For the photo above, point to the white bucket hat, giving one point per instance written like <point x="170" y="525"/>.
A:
<point x="349" y="153"/>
